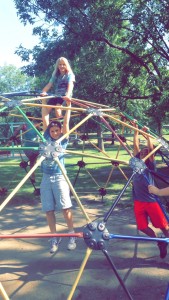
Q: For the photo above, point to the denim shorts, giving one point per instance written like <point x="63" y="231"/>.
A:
<point x="55" y="193"/>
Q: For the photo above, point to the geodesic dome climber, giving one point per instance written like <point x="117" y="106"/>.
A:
<point x="95" y="233"/>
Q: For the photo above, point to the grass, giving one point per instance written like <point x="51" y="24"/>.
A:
<point x="89" y="181"/>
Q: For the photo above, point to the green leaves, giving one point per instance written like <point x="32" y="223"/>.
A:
<point x="115" y="47"/>
<point x="12" y="79"/>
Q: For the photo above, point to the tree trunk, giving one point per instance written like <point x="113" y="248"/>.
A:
<point x="100" y="138"/>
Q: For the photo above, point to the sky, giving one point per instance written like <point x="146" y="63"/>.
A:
<point x="12" y="34"/>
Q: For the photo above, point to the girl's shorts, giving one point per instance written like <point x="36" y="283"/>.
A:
<point x="152" y="210"/>
<point x="54" y="101"/>
<point x="55" y="193"/>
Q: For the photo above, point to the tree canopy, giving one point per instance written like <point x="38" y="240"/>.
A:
<point x="13" y="79"/>
<point x="119" y="50"/>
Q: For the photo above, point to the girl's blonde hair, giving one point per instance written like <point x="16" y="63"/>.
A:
<point x="68" y="67"/>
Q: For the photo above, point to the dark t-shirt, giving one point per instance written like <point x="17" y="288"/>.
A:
<point x="140" y="185"/>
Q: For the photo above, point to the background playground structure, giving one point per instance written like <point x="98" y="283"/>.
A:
<point x="90" y="169"/>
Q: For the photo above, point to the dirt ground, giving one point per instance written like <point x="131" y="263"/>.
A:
<point x="29" y="271"/>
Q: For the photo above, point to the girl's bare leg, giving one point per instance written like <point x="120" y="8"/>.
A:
<point x="45" y="117"/>
<point x="67" y="213"/>
<point x="58" y="113"/>
<point x="51" y="220"/>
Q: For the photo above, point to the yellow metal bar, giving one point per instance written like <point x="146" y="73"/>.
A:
<point x="74" y="128"/>
<point x="72" y="189"/>
<point x="55" y="106"/>
<point x="88" y="253"/>
<point x="88" y="102"/>
<point x="21" y="183"/>
<point x="92" y="177"/>
<point x="8" y="163"/>
<point x="37" y="98"/>
<point x="49" y="97"/>
<point x="129" y="126"/>
<point x="100" y="150"/>
<point x="122" y="172"/>
<point x="3" y="292"/>
<point x="152" y="152"/>
<point x="96" y="156"/>
<point x="107" y="109"/>
<point x="110" y="174"/>
<point x="5" y="98"/>
<point x="20" y="116"/>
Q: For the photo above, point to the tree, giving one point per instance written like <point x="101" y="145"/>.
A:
<point x="119" y="47"/>
<point x="13" y="80"/>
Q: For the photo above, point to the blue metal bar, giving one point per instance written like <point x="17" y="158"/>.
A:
<point x="137" y="238"/>
<point x="167" y="293"/>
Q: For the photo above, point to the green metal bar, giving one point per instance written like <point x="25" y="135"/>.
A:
<point x="139" y="124"/>
<point x="19" y="148"/>
<point x="30" y="123"/>
<point x="3" y="108"/>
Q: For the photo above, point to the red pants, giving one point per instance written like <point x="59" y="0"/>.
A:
<point x="151" y="210"/>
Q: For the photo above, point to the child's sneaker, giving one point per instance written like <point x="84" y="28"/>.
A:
<point x="54" y="244"/>
<point x="163" y="249"/>
<point x="72" y="243"/>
